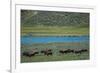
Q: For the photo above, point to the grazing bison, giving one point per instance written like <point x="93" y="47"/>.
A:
<point x="80" y="51"/>
<point x="47" y="52"/>
<point x="30" y="53"/>
<point x="65" y="51"/>
<point x="70" y="51"/>
<point x="84" y="50"/>
<point x="26" y="54"/>
<point x="77" y="51"/>
<point x="61" y="51"/>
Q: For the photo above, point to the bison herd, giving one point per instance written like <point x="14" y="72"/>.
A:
<point x="49" y="52"/>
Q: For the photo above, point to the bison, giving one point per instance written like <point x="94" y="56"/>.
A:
<point x="47" y="52"/>
<point x="70" y="51"/>
<point x="77" y="51"/>
<point x="30" y="53"/>
<point x="80" y="51"/>
<point x="84" y="50"/>
<point x="65" y="51"/>
<point x="61" y="51"/>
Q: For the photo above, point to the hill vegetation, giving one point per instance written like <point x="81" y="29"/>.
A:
<point x="51" y="18"/>
<point x="52" y="23"/>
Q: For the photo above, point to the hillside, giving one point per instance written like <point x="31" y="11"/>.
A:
<point x="51" y="18"/>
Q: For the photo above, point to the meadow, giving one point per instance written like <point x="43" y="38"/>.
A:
<point x="65" y="57"/>
<point x="56" y="55"/>
<point x="54" y="31"/>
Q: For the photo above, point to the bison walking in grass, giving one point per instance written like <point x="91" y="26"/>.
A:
<point x="70" y="51"/>
<point x="84" y="50"/>
<point x="65" y="51"/>
<point x="77" y="51"/>
<point x="61" y="51"/>
<point x="47" y="52"/>
<point x="30" y="53"/>
<point x="80" y="51"/>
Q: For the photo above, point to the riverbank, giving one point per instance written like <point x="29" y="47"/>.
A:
<point x="54" y="31"/>
<point x="56" y="45"/>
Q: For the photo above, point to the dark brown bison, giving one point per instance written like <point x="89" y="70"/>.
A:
<point x="77" y="51"/>
<point x="65" y="51"/>
<point x="47" y="52"/>
<point x="84" y="50"/>
<point x="30" y="53"/>
<point x="70" y="51"/>
<point x="80" y="51"/>
<point x="26" y="54"/>
<point x="61" y="51"/>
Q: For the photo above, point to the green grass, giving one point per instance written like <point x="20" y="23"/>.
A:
<point x="65" y="57"/>
<point x="54" y="31"/>
<point x="55" y="46"/>
<point x="56" y="56"/>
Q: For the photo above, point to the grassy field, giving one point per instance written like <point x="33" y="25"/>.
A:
<point x="54" y="31"/>
<point x="56" y="56"/>
<point x="66" y="57"/>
